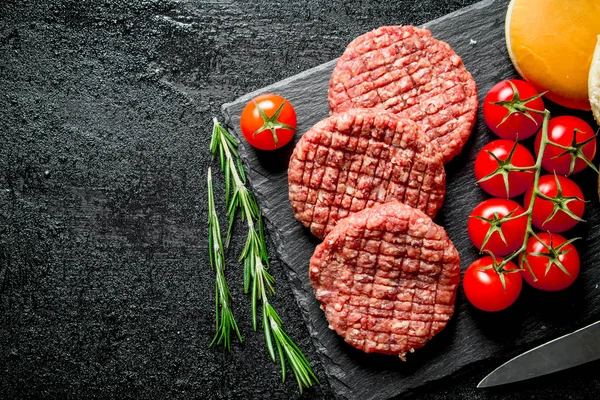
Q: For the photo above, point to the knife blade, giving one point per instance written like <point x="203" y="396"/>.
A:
<point x="570" y="350"/>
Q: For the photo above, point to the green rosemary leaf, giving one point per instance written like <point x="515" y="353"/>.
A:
<point x="247" y="277"/>
<point x="241" y="170"/>
<point x="227" y="185"/>
<point x="254" y="302"/>
<point x="281" y="360"/>
<point x="267" y="329"/>
<point x="263" y="249"/>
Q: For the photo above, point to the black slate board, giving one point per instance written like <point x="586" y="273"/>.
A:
<point x="477" y="34"/>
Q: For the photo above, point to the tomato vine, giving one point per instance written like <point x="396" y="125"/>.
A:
<point x="560" y="202"/>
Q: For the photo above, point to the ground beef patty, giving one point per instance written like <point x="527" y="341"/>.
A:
<point x="359" y="158"/>
<point x="386" y="278"/>
<point x="405" y="70"/>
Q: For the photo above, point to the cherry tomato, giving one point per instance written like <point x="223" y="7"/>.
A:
<point x="268" y="122"/>
<point x="510" y="154"/>
<point x="494" y="211"/>
<point x="571" y="199"/>
<point x="483" y="285"/>
<point x="508" y="119"/>
<point x="556" y="265"/>
<point x="562" y="130"/>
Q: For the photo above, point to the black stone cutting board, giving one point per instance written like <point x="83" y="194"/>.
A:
<point x="472" y="339"/>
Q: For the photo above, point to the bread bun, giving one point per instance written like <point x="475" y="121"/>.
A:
<point x="551" y="43"/>
<point x="594" y="82"/>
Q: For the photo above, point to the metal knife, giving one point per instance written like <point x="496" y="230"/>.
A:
<point x="567" y="351"/>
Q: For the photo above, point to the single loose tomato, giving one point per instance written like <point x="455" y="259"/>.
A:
<point x="577" y="139"/>
<point x="489" y="289"/>
<point x="553" y="260"/>
<point x="505" y="109"/>
<point x="491" y="227"/>
<point x="562" y="207"/>
<point x="500" y="158"/>
<point x="268" y="122"/>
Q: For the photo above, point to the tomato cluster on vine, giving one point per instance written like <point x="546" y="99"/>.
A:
<point x="551" y="203"/>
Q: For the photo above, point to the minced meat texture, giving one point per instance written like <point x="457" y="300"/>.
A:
<point x="405" y="70"/>
<point x="386" y="278"/>
<point x="359" y="158"/>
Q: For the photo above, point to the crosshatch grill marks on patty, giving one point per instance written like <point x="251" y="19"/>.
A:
<point x="405" y="70"/>
<point x="386" y="278"/>
<point x="359" y="158"/>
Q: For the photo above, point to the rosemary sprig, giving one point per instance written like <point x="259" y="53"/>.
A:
<point x="257" y="279"/>
<point x="224" y="319"/>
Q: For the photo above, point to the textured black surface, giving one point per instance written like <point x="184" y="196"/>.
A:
<point x="105" y="289"/>
<point x="477" y="35"/>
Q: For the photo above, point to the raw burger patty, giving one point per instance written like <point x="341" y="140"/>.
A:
<point x="405" y="70"/>
<point x="360" y="158"/>
<point x="386" y="278"/>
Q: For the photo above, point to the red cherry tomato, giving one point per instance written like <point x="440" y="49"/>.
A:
<point x="542" y="208"/>
<point x="272" y="128"/>
<point x="558" y="265"/>
<point x="517" y="124"/>
<point x="495" y="210"/>
<point x="485" y="164"/>
<point x="562" y="130"/>
<point x="483" y="285"/>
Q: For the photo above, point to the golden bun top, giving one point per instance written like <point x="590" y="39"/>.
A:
<point x="551" y="43"/>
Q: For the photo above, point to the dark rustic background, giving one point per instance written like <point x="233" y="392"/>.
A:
<point x="105" y="114"/>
